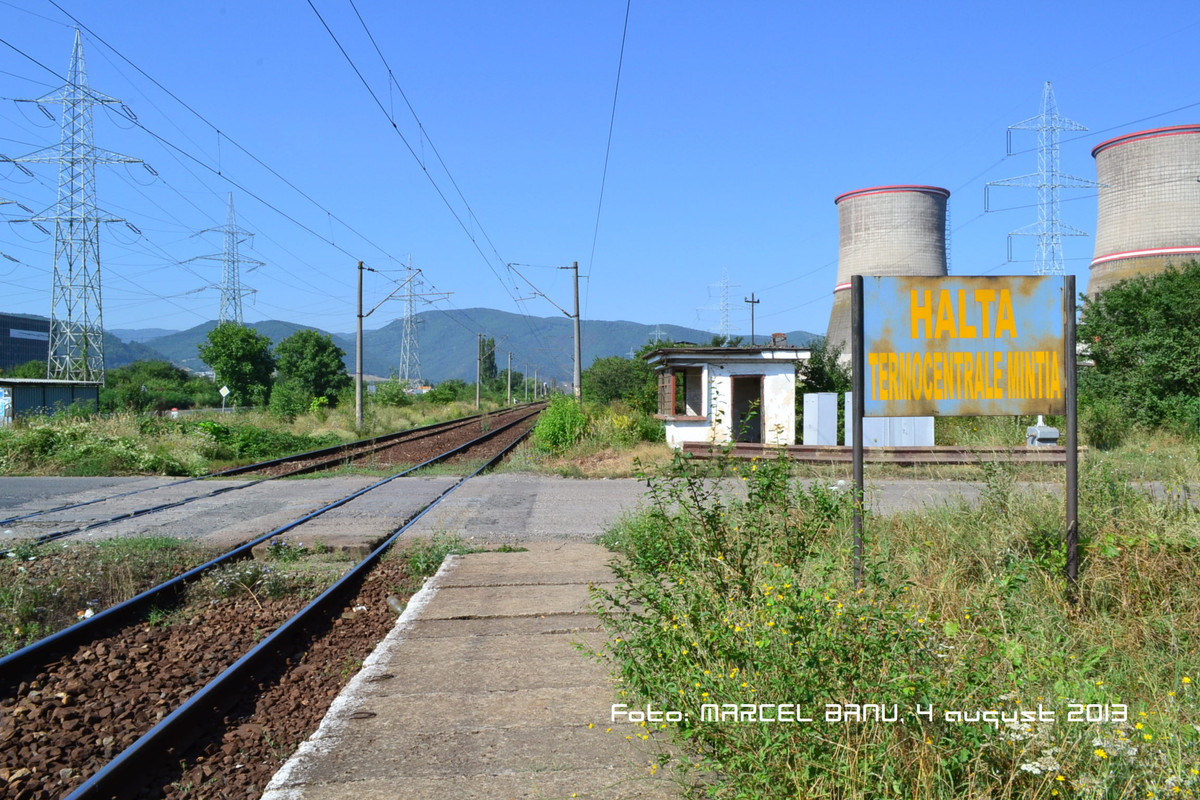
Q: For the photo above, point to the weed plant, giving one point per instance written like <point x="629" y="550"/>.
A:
<point x="44" y="589"/>
<point x="976" y="673"/>
<point x="560" y="425"/>
<point x="423" y="557"/>
<point x="131" y="444"/>
<point x="242" y="578"/>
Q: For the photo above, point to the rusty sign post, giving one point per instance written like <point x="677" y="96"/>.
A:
<point x="965" y="346"/>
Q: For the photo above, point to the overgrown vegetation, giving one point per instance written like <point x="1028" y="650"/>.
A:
<point x="1144" y="336"/>
<point x="132" y="444"/>
<point x="44" y="589"/>
<point x="155" y="386"/>
<point x="128" y="444"/>
<point x="964" y="632"/>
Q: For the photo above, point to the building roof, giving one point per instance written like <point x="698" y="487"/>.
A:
<point x="45" y="382"/>
<point x="717" y="354"/>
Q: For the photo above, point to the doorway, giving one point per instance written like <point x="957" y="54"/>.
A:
<point x="747" y="408"/>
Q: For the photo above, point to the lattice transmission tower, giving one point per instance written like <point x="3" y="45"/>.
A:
<point x="231" y="260"/>
<point x="410" y="353"/>
<point x="76" y="316"/>
<point x="1048" y="180"/>
<point x="725" y="330"/>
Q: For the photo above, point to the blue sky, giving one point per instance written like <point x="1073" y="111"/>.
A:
<point x="736" y="126"/>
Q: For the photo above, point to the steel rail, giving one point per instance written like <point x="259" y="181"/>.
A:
<point x="339" y="453"/>
<point x="39" y="652"/>
<point x="118" y="778"/>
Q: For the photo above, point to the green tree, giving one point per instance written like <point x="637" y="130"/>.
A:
<point x="644" y="397"/>
<point x="30" y="369"/>
<point x="450" y="391"/>
<point x="614" y="378"/>
<point x="1143" y="335"/>
<point x="312" y="364"/>
<point x="147" y="385"/>
<point x="241" y="358"/>
<point x="487" y="366"/>
<point x="823" y="371"/>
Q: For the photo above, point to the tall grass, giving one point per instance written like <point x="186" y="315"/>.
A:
<point x="138" y="444"/>
<point x="44" y="589"/>
<point x="1002" y="684"/>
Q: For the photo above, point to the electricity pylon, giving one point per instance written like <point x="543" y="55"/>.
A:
<point x="76" y="316"/>
<point x="1048" y="180"/>
<point x="231" y="278"/>
<point x="410" y="353"/>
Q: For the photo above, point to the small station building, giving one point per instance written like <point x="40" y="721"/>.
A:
<point x="719" y="395"/>
<point x="24" y="396"/>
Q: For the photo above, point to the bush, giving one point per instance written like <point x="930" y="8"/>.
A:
<point x="289" y="400"/>
<point x="561" y="425"/>
<point x="449" y="391"/>
<point x="617" y="425"/>
<point x="729" y="598"/>
<point x="1104" y="425"/>
<point x="392" y="393"/>
<point x="257" y="443"/>
<point x="1143" y="335"/>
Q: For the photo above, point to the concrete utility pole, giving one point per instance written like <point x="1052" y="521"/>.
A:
<point x="752" y="303"/>
<point x="478" y="368"/>
<point x="578" y="351"/>
<point x="358" y="358"/>
<point x="510" y="377"/>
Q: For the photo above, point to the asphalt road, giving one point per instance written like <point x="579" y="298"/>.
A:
<point x="509" y="507"/>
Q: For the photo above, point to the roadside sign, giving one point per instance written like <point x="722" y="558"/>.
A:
<point x="970" y="346"/>
<point x="963" y="346"/>
<point x="224" y="391"/>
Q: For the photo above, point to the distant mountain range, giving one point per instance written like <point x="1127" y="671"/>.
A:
<point x="446" y="342"/>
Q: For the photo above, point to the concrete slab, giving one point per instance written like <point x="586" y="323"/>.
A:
<point x="465" y="602"/>
<point x="599" y="784"/>
<point x="576" y="624"/>
<point x="538" y="707"/>
<point x="486" y="688"/>
<point x="513" y="507"/>
<point x="499" y="663"/>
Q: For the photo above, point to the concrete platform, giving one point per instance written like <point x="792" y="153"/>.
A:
<point x="485" y="689"/>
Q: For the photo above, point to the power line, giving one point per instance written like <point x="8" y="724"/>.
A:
<point x="413" y="152"/>
<point x="420" y="126"/>
<point x="172" y="146"/>
<point x="235" y="143"/>
<point x="396" y="129"/>
<point x="612" y="118"/>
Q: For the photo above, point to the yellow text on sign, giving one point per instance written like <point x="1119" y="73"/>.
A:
<point x="948" y="318"/>
<point x="982" y="375"/>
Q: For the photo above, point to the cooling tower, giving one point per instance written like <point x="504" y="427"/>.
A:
<point x="1149" y="206"/>
<point x="886" y="230"/>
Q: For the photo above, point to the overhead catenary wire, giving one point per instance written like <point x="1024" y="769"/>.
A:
<point x="230" y="140"/>
<point x="396" y="128"/>
<point x="612" y="119"/>
<point x="408" y="145"/>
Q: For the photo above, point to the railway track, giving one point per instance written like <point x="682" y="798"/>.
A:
<point x="92" y="710"/>
<point x="413" y="446"/>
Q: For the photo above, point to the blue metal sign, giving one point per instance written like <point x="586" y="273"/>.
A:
<point x="963" y="347"/>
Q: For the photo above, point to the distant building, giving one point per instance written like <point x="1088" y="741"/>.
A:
<point x="728" y="394"/>
<point x="23" y="339"/>
<point x="35" y="396"/>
